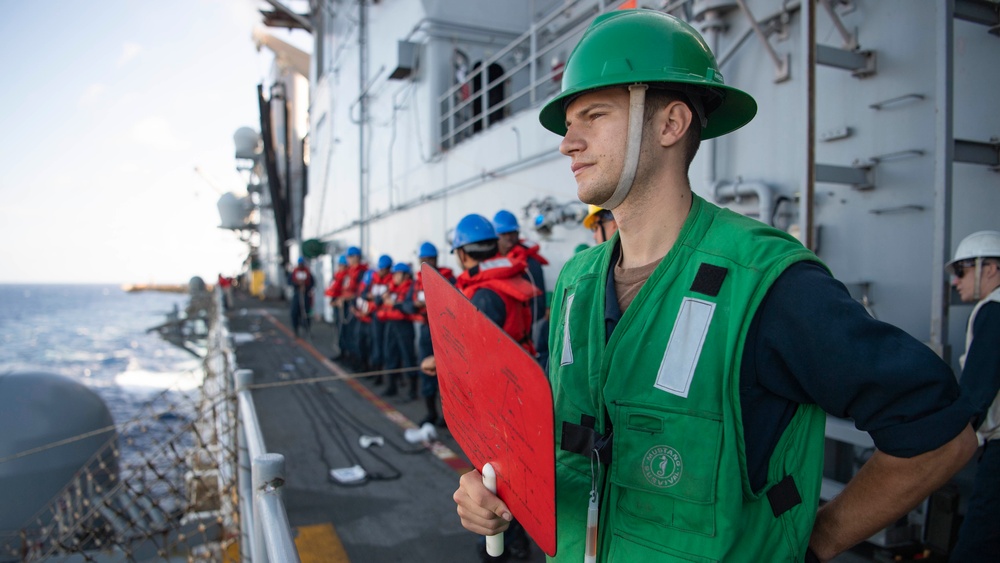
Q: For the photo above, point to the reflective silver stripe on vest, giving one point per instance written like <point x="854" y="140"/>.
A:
<point x="567" y="352"/>
<point x="684" y="348"/>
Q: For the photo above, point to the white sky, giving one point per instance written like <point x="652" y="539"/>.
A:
<point x="106" y="109"/>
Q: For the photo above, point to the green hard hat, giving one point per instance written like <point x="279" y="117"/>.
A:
<point x="625" y="47"/>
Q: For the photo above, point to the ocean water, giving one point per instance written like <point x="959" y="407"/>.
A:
<point x="96" y="334"/>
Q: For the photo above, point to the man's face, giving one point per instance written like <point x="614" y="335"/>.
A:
<point x="506" y="241"/>
<point x="398" y="277"/>
<point x="966" y="282"/>
<point x="353" y="260"/>
<point x="432" y="260"/>
<point x="596" y="138"/>
<point x="463" y="259"/>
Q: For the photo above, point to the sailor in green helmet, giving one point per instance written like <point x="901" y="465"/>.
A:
<point x="693" y="357"/>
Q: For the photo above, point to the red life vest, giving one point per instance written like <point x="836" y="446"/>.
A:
<point x="504" y="277"/>
<point x="351" y="282"/>
<point x="301" y="276"/>
<point x="399" y="293"/>
<point x="525" y="249"/>
<point x="336" y="288"/>
<point x="376" y="285"/>
<point x="418" y="291"/>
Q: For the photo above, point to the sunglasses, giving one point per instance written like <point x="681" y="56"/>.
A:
<point x="961" y="267"/>
<point x="600" y="223"/>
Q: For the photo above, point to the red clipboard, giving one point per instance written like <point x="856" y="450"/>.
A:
<point x="498" y="405"/>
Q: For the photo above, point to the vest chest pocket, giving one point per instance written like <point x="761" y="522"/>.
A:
<point x="666" y="465"/>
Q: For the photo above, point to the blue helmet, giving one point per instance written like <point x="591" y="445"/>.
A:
<point x="505" y="222"/>
<point x="354" y="251"/>
<point x="472" y="228"/>
<point x="402" y="267"/>
<point x="342" y="259"/>
<point x="427" y="250"/>
<point x="384" y="261"/>
<point x="301" y="260"/>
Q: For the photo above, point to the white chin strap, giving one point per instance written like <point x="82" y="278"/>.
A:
<point x="979" y="270"/>
<point x="636" y="113"/>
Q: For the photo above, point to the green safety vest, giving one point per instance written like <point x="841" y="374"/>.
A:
<point x="667" y="381"/>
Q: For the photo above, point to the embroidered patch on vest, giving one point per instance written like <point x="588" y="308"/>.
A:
<point x="662" y="466"/>
<point x="567" y="347"/>
<point x="684" y="348"/>
<point x="709" y="280"/>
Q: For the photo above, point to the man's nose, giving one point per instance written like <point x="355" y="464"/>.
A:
<point x="571" y="142"/>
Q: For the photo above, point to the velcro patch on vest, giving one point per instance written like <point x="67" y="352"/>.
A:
<point x="584" y="440"/>
<point x="784" y="496"/>
<point x="709" y="280"/>
<point x="680" y="360"/>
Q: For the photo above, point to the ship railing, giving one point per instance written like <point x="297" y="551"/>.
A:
<point x="263" y="518"/>
<point x="264" y="529"/>
<point x="531" y="79"/>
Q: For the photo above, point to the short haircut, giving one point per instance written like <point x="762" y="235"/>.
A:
<point x="484" y="250"/>
<point x="658" y="98"/>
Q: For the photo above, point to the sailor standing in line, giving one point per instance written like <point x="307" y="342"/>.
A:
<point x="302" y="282"/>
<point x="333" y="293"/>
<point x="375" y="286"/>
<point x="518" y="249"/>
<point x="427" y="254"/>
<point x="396" y="316"/>
<point x="976" y="270"/>
<point x="352" y="331"/>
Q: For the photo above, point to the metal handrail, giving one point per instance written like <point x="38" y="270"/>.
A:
<point x="265" y="532"/>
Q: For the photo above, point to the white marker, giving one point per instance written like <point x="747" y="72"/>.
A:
<point x="494" y="544"/>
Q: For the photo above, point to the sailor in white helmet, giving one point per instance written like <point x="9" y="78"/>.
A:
<point x="976" y="271"/>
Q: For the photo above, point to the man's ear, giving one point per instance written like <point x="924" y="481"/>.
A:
<point x="673" y="123"/>
<point x="996" y="267"/>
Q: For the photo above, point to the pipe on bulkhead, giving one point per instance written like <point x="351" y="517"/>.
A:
<point x="807" y="201"/>
<point x="725" y="191"/>
<point x="712" y="25"/>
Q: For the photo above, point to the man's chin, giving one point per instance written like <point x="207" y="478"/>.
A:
<point x="589" y="197"/>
